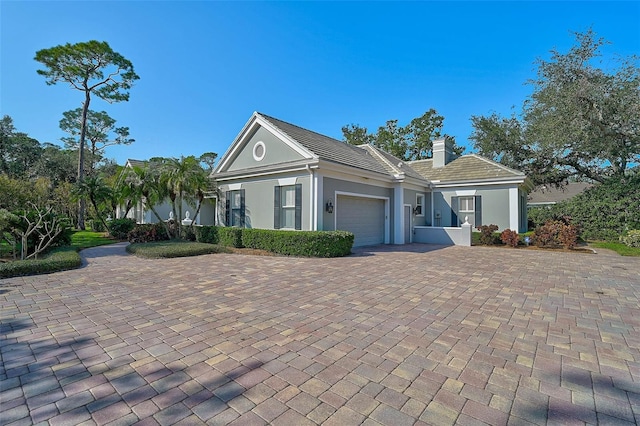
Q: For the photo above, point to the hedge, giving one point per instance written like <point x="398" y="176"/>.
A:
<point x="59" y="259"/>
<point x="207" y="234"/>
<point x="230" y="237"/>
<point x="299" y="243"/>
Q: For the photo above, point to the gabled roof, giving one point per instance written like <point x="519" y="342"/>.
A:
<point x="329" y="149"/>
<point x="469" y="167"/>
<point x="546" y="195"/>
<point x="135" y="163"/>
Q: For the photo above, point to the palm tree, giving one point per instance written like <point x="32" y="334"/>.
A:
<point x="94" y="189"/>
<point x="181" y="177"/>
<point x="150" y="189"/>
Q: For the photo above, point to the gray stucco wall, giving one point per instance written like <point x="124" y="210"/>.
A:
<point x="495" y="206"/>
<point x="276" y="152"/>
<point x="259" y="200"/>
<point x="410" y="197"/>
<point x="331" y="185"/>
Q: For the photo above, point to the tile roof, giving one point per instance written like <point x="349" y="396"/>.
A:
<point x="467" y="167"/>
<point x="330" y="149"/>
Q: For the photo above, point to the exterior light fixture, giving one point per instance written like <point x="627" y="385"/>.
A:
<point x="329" y="207"/>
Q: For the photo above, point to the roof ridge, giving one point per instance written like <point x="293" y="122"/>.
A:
<point x="269" y="118"/>
<point x="380" y="156"/>
<point x="495" y="163"/>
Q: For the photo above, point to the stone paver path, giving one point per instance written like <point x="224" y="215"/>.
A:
<point x="392" y="335"/>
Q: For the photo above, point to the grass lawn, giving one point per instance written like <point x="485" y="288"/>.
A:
<point x="620" y="248"/>
<point x="85" y="239"/>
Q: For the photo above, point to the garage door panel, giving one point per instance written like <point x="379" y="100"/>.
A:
<point x="362" y="216"/>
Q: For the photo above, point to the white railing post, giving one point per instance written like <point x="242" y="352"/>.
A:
<point x="466" y="232"/>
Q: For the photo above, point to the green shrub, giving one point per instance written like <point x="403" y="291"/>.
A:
<point x="510" y="237"/>
<point x="120" y="228"/>
<point x="187" y="233"/>
<point x="230" y="237"/>
<point x="59" y="259"/>
<point x="173" y="248"/>
<point x="487" y="234"/>
<point x="207" y="234"/>
<point x="632" y="239"/>
<point x="146" y="233"/>
<point x="299" y="243"/>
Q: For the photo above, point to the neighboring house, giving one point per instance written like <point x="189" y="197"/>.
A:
<point x="276" y="175"/>
<point x="143" y="214"/>
<point x="547" y="196"/>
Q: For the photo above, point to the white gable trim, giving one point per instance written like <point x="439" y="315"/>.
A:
<point x="249" y="128"/>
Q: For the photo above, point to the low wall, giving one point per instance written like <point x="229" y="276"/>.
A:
<point x="443" y="235"/>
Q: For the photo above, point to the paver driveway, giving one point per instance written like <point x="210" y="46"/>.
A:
<point x="413" y="335"/>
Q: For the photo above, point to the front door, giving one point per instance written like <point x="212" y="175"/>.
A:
<point x="407" y="224"/>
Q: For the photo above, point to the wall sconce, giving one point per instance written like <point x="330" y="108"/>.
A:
<point x="329" y="207"/>
<point x="417" y="210"/>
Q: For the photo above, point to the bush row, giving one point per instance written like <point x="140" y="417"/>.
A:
<point x="290" y="243"/>
<point x="168" y="249"/>
<point x="59" y="259"/>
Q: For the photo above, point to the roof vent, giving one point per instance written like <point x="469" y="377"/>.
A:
<point x="400" y="164"/>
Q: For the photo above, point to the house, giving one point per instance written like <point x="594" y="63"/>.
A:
<point x="545" y="196"/>
<point x="276" y="175"/>
<point x="142" y="213"/>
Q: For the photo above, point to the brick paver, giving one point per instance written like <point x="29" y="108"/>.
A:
<point x="390" y="335"/>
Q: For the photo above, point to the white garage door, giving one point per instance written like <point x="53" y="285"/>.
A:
<point x="362" y="216"/>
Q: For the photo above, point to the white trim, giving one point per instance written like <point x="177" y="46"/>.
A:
<point x="287" y="181"/>
<point x="234" y="186"/>
<point x="467" y="193"/>
<point x="422" y="213"/>
<point x="513" y="209"/>
<point x="355" y="194"/>
<point x="264" y="151"/>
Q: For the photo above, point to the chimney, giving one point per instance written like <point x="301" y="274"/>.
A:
<point x="442" y="152"/>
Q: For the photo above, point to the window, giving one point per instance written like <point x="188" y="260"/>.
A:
<point x="235" y="208"/>
<point x="287" y="205"/>
<point x="469" y="206"/>
<point x="259" y="150"/>
<point x="419" y="205"/>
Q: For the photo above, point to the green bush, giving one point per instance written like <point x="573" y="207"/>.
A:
<point x="488" y="234"/>
<point x="187" y="233"/>
<point x="207" y="234"/>
<point x="173" y="248"/>
<point x="299" y="243"/>
<point x="120" y="228"/>
<point x="603" y="212"/>
<point x="230" y="237"/>
<point x="148" y="232"/>
<point x="632" y="239"/>
<point x="59" y="259"/>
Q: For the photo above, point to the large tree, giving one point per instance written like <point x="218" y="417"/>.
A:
<point x="92" y="68"/>
<point x="581" y="121"/>
<point x="411" y="142"/>
<point x="101" y="132"/>
<point x="18" y="152"/>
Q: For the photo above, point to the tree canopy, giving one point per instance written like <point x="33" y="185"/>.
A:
<point x="582" y="120"/>
<point x="95" y="69"/>
<point x="411" y="142"/>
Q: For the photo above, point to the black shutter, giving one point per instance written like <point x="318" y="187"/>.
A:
<point x="454" y="211"/>
<point x="242" y="209"/>
<point x="299" y="206"/>
<point x="276" y="207"/>
<point x="227" y="209"/>
<point x="478" y="210"/>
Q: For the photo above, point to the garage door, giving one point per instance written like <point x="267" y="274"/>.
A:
<point x="362" y="216"/>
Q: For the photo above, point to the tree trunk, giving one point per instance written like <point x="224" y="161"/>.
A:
<point x="82" y="205"/>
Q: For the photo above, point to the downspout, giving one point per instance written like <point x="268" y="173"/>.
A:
<point x="432" y="206"/>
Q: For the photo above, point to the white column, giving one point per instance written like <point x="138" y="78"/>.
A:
<point x="398" y="215"/>
<point x="320" y="201"/>
<point x="513" y="209"/>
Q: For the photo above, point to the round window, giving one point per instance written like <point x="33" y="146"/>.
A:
<point x="259" y="150"/>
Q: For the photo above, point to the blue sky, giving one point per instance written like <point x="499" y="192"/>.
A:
<point x="205" y="66"/>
